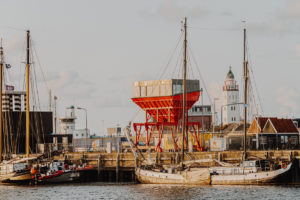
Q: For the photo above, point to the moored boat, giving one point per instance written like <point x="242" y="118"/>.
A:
<point x="251" y="172"/>
<point x="55" y="172"/>
<point x="193" y="176"/>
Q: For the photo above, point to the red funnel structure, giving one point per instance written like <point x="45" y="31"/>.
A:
<point x="162" y="101"/>
<point x="166" y="108"/>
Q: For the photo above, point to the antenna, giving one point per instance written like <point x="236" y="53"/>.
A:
<point x="245" y="24"/>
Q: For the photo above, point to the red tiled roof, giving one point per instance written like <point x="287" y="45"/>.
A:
<point x="284" y="125"/>
<point x="262" y="121"/>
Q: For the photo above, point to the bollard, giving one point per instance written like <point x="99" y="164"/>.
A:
<point x="99" y="165"/>
<point x="117" y="167"/>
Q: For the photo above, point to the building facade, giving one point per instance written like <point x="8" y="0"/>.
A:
<point x="201" y="114"/>
<point x="13" y="100"/>
<point x="230" y="107"/>
<point x="67" y="125"/>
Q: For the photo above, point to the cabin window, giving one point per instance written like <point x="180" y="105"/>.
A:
<point x="284" y="139"/>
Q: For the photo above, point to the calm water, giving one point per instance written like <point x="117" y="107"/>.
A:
<point x="139" y="191"/>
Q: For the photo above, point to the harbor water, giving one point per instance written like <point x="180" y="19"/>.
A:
<point x="100" y="190"/>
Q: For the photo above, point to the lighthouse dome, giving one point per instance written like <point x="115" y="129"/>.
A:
<point x="230" y="74"/>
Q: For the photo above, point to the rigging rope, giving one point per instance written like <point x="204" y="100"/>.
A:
<point x="200" y="74"/>
<point x="160" y="76"/>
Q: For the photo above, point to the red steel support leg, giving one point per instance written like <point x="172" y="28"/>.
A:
<point x="175" y="142"/>
<point x="149" y="138"/>
<point x="160" y="132"/>
<point x="197" y="139"/>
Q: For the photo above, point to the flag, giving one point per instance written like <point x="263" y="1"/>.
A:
<point x="9" y="87"/>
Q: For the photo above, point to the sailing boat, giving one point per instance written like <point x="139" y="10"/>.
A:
<point x="180" y="174"/>
<point x="249" y="171"/>
<point x="17" y="169"/>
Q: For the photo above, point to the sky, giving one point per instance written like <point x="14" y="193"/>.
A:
<point x="89" y="53"/>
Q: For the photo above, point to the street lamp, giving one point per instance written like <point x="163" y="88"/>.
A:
<point x="228" y="105"/>
<point x="86" y="135"/>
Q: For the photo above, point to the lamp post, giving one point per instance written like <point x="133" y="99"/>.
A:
<point x="86" y="124"/>
<point x="215" y="99"/>
<point x="55" y="117"/>
<point x="228" y="105"/>
<point x="202" y="121"/>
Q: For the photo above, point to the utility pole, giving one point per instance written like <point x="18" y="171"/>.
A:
<point x="214" y="119"/>
<point x="1" y="69"/>
<point x="202" y="120"/>
<point x="50" y="101"/>
<point x="55" y="117"/>
<point x="184" y="92"/>
<point x="86" y="125"/>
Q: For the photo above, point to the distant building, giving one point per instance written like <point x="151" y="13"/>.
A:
<point x="201" y="114"/>
<point x="13" y="100"/>
<point x="67" y="125"/>
<point x="14" y="122"/>
<point x="231" y="113"/>
<point x="273" y="133"/>
<point x="115" y="131"/>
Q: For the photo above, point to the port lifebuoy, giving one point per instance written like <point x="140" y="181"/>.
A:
<point x="283" y="165"/>
<point x="66" y="166"/>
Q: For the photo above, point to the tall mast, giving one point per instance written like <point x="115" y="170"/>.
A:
<point x="184" y="92"/>
<point x="27" y="93"/>
<point x="1" y="69"/>
<point x="245" y="96"/>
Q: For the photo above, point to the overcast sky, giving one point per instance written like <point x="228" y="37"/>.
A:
<point x="91" y="52"/>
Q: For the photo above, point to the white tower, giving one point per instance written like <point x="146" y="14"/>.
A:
<point x="67" y="123"/>
<point x="231" y="113"/>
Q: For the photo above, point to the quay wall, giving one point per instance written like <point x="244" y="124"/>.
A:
<point x="127" y="160"/>
<point x="121" y="166"/>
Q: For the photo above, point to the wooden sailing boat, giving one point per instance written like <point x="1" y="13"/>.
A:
<point x="149" y="173"/>
<point x="17" y="169"/>
<point x="249" y="171"/>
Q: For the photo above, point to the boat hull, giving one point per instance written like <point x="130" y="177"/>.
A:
<point x="258" y="178"/>
<point x="195" y="177"/>
<point x="64" y="177"/>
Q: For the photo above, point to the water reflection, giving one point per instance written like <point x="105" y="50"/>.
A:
<point x="141" y="191"/>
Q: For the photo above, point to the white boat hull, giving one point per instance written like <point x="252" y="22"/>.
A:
<point x="264" y="177"/>
<point x="199" y="176"/>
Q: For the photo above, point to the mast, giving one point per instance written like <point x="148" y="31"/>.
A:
<point x="245" y="96"/>
<point x="27" y="93"/>
<point x="184" y="92"/>
<point x="1" y="69"/>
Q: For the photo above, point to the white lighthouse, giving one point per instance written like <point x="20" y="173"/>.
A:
<point x="67" y="123"/>
<point x="231" y="113"/>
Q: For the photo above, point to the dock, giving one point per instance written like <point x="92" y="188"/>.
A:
<point x="121" y="166"/>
